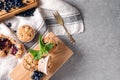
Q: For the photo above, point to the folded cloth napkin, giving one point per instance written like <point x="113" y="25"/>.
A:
<point x="43" y="22"/>
<point x="72" y="17"/>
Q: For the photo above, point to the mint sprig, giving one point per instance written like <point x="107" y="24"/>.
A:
<point x="44" y="49"/>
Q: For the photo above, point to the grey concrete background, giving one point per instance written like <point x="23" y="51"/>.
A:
<point x="97" y="51"/>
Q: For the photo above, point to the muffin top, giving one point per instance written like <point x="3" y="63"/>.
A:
<point x="25" y="33"/>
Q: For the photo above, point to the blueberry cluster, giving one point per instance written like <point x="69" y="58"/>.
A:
<point x="1" y="5"/>
<point x="7" y="5"/>
<point x="3" y="42"/>
<point x="27" y="13"/>
<point x="37" y="75"/>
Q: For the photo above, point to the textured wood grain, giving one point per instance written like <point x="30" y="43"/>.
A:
<point x="58" y="58"/>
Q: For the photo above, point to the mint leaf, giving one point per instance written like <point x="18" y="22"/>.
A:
<point x="34" y="52"/>
<point x="41" y="44"/>
<point x="39" y="55"/>
<point x="48" y="47"/>
<point x="44" y="49"/>
<point x="45" y="52"/>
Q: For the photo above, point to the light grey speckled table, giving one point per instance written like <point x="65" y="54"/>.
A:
<point x="97" y="51"/>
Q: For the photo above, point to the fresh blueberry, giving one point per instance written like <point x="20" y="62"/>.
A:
<point x="35" y="71"/>
<point x="36" y="78"/>
<point x="9" y="25"/>
<point x="40" y="74"/>
<point x="37" y="75"/>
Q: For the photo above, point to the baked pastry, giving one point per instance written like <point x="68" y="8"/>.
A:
<point x="25" y="33"/>
<point x="17" y="50"/>
<point x="10" y="46"/>
<point x="29" y="63"/>
<point x="52" y="40"/>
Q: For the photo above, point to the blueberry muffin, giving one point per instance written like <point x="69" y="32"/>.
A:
<point x="10" y="46"/>
<point x="25" y="33"/>
<point x="29" y="63"/>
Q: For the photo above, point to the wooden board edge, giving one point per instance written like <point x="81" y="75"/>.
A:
<point x="11" y="14"/>
<point x="60" y="66"/>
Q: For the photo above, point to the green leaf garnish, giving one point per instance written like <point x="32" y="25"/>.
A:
<point x="44" y="49"/>
<point x="34" y="52"/>
<point x="48" y="47"/>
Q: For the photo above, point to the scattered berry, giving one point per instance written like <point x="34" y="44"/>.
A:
<point x="9" y="25"/>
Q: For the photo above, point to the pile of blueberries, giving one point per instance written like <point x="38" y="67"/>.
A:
<point x="7" y="5"/>
<point x="27" y="13"/>
<point x="37" y="75"/>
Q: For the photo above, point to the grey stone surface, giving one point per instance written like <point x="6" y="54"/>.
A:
<point x="97" y="51"/>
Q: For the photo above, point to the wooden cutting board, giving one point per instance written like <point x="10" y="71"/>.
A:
<point x="5" y="15"/>
<point x="60" y="56"/>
